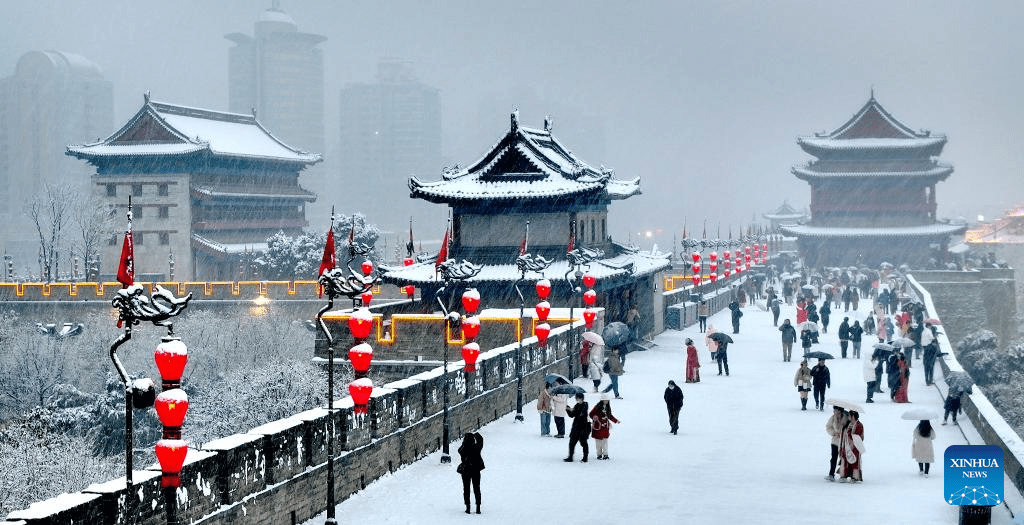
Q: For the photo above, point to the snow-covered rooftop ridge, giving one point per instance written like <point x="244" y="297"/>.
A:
<point x="872" y="143"/>
<point x="247" y="247"/>
<point x="938" y="228"/>
<point x="938" y="170"/>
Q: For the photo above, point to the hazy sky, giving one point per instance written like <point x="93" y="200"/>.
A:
<point x="703" y="100"/>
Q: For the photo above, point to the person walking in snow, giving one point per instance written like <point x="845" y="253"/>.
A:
<point x="802" y="382"/>
<point x="844" y="336"/>
<point x="851" y="448"/>
<point x="692" y="364"/>
<point x="825" y="311"/>
<point x="892" y="373"/>
<point x="868" y="371"/>
<point x="674" y="403"/>
<point x="788" y="338"/>
<point x="904" y="378"/>
<point x="614" y="371"/>
<point x="580" y="430"/>
<point x="821" y="379"/>
<point x="951" y="405"/>
<point x="722" y="356"/>
<point x="931" y="352"/>
<point x="601" y="420"/>
<point x="558" y="402"/>
<point x="703" y="311"/>
<point x="834" y="428"/>
<point x="736" y="314"/>
<point x="806" y="340"/>
<point x="544" y="409"/>
<point x="869" y="324"/>
<point x="471" y="465"/>
<point x="921" y="448"/>
<point x="856" y="333"/>
<point x="596" y="366"/>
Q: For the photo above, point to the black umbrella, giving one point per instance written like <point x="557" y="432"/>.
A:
<point x="567" y="389"/>
<point x="818" y="355"/>
<point x="960" y="382"/>
<point x="721" y="337"/>
<point x="881" y="353"/>
<point x="615" y="334"/>
<point x="556" y="379"/>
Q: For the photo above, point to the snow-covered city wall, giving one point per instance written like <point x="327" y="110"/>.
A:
<point x="277" y="473"/>
<point x="985" y="418"/>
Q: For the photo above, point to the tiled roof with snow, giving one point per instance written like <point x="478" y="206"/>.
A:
<point x="212" y="246"/>
<point x="938" y="171"/>
<point x="251" y="192"/>
<point x="525" y="164"/>
<point x="622" y="265"/>
<point x="927" y="230"/>
<point x="873" y="128"/>
<point x="166" y="129"/>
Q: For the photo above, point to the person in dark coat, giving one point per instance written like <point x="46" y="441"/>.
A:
<point x="736" y="314"/>
<point x="844" y="336"/>
<point x="674" y="403"/>
<point x="825" y="311"/>
<point x="820" y="380"/>
<point x="580" y="431"/>
<point x="722" y="356"/>
<point x="471" y="465"/>
<point x="856" y="333"/>
<point x="869" y="325"/>
<point x="952" y="405"/>
<point x="788" y="338"/>
<point x="892" y="371"/>
<point x="847" y="298"/>
<point x="812" y="316"/>
<point x="931" y="352"/>
<point x="774" y="304"/>
<point x="806" y="340"/>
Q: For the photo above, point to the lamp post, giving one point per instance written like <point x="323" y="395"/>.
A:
<point x="335" y="282"/>
<point x="134" y="307"/>
<point x="525" y="263"/>
<point x="451" y="272"/>
<point x="580" y="258"/>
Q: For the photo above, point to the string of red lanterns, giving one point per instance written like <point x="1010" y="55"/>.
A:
<point x="171" y="407"/>
<point x="360" y="323"/>
<point x="471" y="329"/>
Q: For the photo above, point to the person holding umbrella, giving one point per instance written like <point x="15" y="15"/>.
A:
<point x="601" y="420"/>
<point x="802" y="382"/>
<point x="692" y="364"/>
<point x="674" y="403"/>
<point x="806" y="340"/>
<point x="580" y="430"/>
<point x="558" y="402"/>
<point x="596" y="365"/>
<point x="851" y="447"/>
<point x="834" y="428"/>
<point x="821" y="379"/>
<point x="788" y="338"/>
<point x="721" y="354"/>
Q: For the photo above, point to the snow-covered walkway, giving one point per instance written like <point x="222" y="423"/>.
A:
<point x="745" y="452"/>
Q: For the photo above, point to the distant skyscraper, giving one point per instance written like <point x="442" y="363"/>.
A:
<point x="279" y="73"/>
<point x="390" y="130"/>
<point x="52" y="100"/>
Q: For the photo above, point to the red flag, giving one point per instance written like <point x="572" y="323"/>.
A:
<point x="328" y="260"/>
<point x="522" y="248"/>
<point x="126" y="269"/>
<point x="442" y="255"/>
<point x="572" y="236"/>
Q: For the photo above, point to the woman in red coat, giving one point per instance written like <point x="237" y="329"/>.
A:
<point x="801" y="313"/>
<point x="601" y="420"/>
<point x="692" y="364"/>
<point x="851" y="448"/>
<point x="901" y="393"/>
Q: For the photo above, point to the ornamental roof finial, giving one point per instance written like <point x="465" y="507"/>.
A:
<point x="145" y="96"/>
<point x="549" y="123"/>
<point x="515" y="120"/>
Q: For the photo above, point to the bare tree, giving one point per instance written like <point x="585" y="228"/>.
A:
<point x="51" y="212"/>
<point x="94" y="221"/>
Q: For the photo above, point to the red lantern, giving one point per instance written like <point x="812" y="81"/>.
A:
<point x="543" y="309"/>
<point x="543" y="288"/>
<point x="471" y="327"/>
<point x="713" y="256"/>
<point x="410" y="290"/>
<point x="171" y="455"/>
<point x="748" y="266"/>
<point x="367" y="267"/>
<point x="764" y="247"/>
<point x="360" y="323"/>
<point x="171" y="407"/>
<point x="696" y="280"/>
<point x="588" y="317"/>
<point x="739" y="268"/>
<point x="696" y="268"/>
<point x="727" y="272"/>
<point x="728" y="264"/>
<point x="471" y="300"/>
<point x="470" y="352"/>
<point x="541" y="331"/>
<point x="695" y="256"/>
<point x="589" y="280"/>
<point x="713" y="267"/>
<point x="360" y="355"/>
<point x="360" y="390"/>
<point x="746" y="249"/>
<point x="713" y="277"/>
<point x="408" y="261"/>
<point x="589" y="297"/>
<point x="171" y="356"/>
<point x="746" y="258"/>
<point x="367" y="297"/>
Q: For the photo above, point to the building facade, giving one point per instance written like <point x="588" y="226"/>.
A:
<point x="208" y="189"/>
<point x="389" y="130"/>
<point x="52" y="100"/>
<point x="873" y="193"/>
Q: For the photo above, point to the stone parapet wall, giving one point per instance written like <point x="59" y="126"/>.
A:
<point x="277" y="473"/>
<point x="972" y="300"/>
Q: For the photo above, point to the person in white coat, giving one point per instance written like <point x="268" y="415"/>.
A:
<point x="595" y="365"/>
<point x="869" y="376"/>
<point x="558" y="403"/>
<point x="922" y="450"/>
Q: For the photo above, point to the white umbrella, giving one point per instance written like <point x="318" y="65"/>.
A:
<point x="593" y="338"/>
<point x="918" y="414"/>
<point x="842" y="403"/>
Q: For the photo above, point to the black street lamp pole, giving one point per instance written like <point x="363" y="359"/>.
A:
<point x="525" y="263"/>
<point x="577" y="258"/>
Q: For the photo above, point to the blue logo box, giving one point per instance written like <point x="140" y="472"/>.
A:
<point x="973" y="475"/>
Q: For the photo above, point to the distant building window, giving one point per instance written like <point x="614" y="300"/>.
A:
<point x="136" y="190"/>
<point x="593" y="231"/>
<point x="137" y="238"/>
<point x="111" y="190"/>
<point x="165" y="238"/>
<point x="162" y="190"/>
<point x="112" y="241"/>
<point x="583" y="231"/>
<point x="137" y="212"/>
<point x="164" y="212"/>
<point x="604" y="237"/>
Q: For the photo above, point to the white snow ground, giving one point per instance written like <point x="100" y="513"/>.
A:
<point x="745" y="452"/>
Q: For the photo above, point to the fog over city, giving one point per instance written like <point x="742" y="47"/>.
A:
<point x="703" y="100"/>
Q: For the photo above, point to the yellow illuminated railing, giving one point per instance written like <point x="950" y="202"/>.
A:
<point x="388" y="336"/>
<point x="101" y="290"/>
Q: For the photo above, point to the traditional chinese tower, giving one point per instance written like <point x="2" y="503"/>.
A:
<point x="872" y="193"/>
